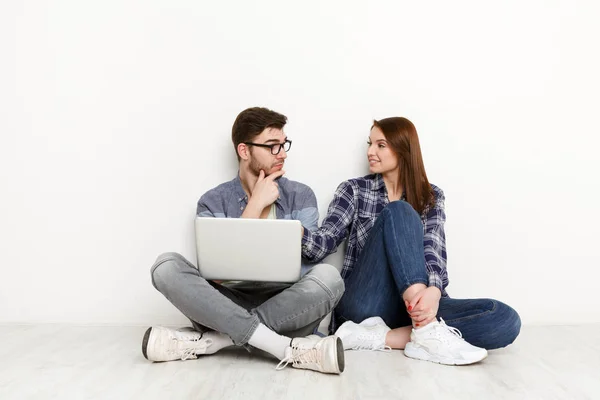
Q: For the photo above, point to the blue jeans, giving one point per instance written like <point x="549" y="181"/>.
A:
<point x="391" y="261"/>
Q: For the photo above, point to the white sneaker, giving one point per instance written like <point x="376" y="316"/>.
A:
<point x="368" y="335"/>
<point x="440" y="343"/>
<point x="165" y="344"/>
<point x="315" y="353"/>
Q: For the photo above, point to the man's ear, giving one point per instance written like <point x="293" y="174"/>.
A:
<point x="243" y="151"/>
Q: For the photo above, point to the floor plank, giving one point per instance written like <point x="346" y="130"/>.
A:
<point x="91" y="362"/>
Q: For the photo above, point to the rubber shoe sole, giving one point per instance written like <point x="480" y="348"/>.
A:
<point x="419" y="353"/>
<point x="145" y="343"/>
<point x="341" y="361"/>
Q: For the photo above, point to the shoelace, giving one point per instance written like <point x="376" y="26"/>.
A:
<point x="385" y="348"/>
<point x="188" y="336"/>
<point x="370" y="337"/>
<point x="191" y="353"/>
<point x="309" y="356"/>
<point x="456" y="334"/>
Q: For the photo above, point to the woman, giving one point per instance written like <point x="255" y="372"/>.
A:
<point x="395" y="262"/>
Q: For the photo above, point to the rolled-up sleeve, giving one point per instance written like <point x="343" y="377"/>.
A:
<point x="207" y="206"/>
<point x="318" y="243"/>
<point x="308" y="214"/>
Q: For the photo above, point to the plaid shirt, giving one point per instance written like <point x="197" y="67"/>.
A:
<point x="352" y="213"/>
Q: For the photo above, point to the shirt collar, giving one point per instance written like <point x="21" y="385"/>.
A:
<point x="240" y="195"/>
<point x="379" y="185"/>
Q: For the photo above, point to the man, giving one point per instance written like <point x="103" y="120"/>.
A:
<point x="278" y="319"/>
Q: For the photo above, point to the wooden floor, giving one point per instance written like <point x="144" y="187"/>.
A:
<point x="85" y="362"/>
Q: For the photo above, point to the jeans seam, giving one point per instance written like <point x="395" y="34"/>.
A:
<point x="418" y="280"/>
<point x="295" y="316"/>
<point x="154" y="267"/>
<point x="250" y="331"/>
<point x="405" y="278"/>
<point x="473" y="316"/>
<point x="330" y="299"/>
<point x="323" y="286"/>
<point x="389" y="219"/>
<point x="161" y="261"/>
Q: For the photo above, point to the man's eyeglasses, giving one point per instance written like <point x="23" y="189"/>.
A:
<point x="275" y="148"/>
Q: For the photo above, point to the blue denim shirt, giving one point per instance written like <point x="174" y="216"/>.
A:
<point x="296" y="201"/>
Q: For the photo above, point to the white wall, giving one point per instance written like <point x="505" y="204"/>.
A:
<point x="115" y="117"/>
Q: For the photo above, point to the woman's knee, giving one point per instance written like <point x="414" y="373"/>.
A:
<point x="402" y="207"/>
<point x="508" y="324"/>
<point x="513" y="323"/>
<point x="400" y="210"/>
<point x="330" y="279"/>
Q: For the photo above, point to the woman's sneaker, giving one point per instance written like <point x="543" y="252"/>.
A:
<point x="440" y="343"/>
<point x="368" y="335"/>
<point x="315" y="353"/>
<point x="165" y="344"/>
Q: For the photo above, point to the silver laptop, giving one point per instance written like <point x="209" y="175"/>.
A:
<point x="242" y="249"/>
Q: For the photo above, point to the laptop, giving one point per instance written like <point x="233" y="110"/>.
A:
<point x="243" y="249"/>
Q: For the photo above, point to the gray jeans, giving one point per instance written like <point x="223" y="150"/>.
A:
<point x="289" y="309"/>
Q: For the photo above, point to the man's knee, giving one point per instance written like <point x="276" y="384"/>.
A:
<point x="164" y="268"/>
<point x="329" y="278"/>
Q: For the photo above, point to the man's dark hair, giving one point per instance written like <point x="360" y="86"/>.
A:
<point x="251" y="122"/>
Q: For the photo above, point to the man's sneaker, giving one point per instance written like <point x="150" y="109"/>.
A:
<point x="315" y="353"/>
<point x="440" y="343"/>
<point x="368" y="335"/>
<point x="165" y="344"/>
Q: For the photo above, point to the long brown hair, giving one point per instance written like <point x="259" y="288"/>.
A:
<point x="402" y="137"/>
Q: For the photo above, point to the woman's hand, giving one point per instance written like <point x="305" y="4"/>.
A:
<point x="423" y="307"/>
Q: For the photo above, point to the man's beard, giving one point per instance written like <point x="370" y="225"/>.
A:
<point x="255" y="167"/>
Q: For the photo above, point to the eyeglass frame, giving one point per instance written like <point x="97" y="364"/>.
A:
<point x="272" y="146"/>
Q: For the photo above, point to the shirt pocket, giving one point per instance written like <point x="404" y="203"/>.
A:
<point x="367" y="213"/>
<point x="363" y="224"/>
